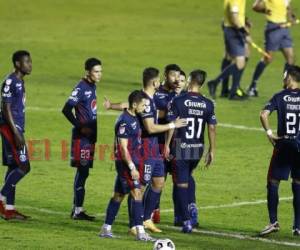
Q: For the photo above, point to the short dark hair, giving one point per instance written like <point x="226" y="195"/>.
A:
<point x="149" y="74"/>
<point x="198" y="76"/>
<point x="172" y="67"/>
<point x="18" y="55"/>
<point x="135" y="96"/>
<point x="91" y="62"/>
<point x="294" y="72"/>
<point x="182" y="73"/>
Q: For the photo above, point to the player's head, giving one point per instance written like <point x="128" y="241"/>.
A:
<point x="291" y="77"/>
<point x="172" y="74"/>
<point x="22" y="61"/>
<point x="182" y="82"/>
<point x="93" y="68"/>
<point x="137" y="101"/>
<point x="197" y="77"/>
<point x="151" y="78"/>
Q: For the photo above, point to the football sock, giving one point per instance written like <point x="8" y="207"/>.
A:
<point x="273" y="200"/>
<point x="296" y="204"/>
<point x="192" y="190"/>
<point x="175" y="203"/>
<point x="130" y="212"/>
<point x="182" y="196"/>
<point x="236" y="78"/>
<point x="137" y="212"/>
<point x="229" y="70"/>
<point x="112" y="211"/>
<point x="225" y="63"/>
<point x="151" y="198"/>
<point x="260" y="67"/>
<point x="78" y="210"/>
<point x="9" y="187"/>
<point x="79" y="185"/>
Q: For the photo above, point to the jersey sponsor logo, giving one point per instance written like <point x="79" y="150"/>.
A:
<point x="147" y="104"/>
<point x="74" y="94"/>
<point x="8" y="82"/>
<point x="191" y="104"/>
<point x="88" y="93"/>
<point x="184" y="145"/>
<point x="288" y="98"/>
<point x="19" y="86"/>
<point x="94" y="106"/>
<point x="133" y="125"/>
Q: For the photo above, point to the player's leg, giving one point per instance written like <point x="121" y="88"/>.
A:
<point x="296" y="205"/>
<point x="2" y="198"/>
<point x="153" y="192"/>
<point x="192" y="207"/>
<point x="226" y="61"/>
<point x="137" y="212"/>
<point x="81" y="176"/>
<point x="240" y="63"/>
<point x="289" y="56"/>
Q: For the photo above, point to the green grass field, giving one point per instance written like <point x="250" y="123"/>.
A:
<point x="129" y="35"/>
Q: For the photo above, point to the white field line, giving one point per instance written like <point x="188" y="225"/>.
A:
<point x="237" y="235"/>
<point x="115" y="113"/>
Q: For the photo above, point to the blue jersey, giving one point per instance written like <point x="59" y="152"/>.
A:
<point x="287" y="105"/>
<point x="127" y="126"/>
<point x="83" y="99"/>
<point x="198" y="110"/>
<point x="13" y="92"/>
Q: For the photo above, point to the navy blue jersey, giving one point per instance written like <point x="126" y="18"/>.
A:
<point x="127" y="126"/>
<point x="287" y="105"/>
<point x="198" y="110"/>
<point x="83" y="99"/>
<point x="161" y="98"/>
<point x="13" y="92"/>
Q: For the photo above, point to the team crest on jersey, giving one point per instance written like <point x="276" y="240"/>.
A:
<point x="122" y="130"/>
<point x="94" y="106"/>
<point x="19" y="86"/>
<point x="8" y="82"/>
<point x="133" y="125"/>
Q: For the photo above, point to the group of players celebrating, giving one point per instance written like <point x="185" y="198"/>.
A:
<point x="160" y="130"/>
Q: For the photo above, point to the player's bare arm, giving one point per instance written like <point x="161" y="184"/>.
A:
<point x="127" y="158"/>
<point x="212" y="145"/>
<point x="264" y="118"/>
<point x="19" y="140"/>
<point x="154" y="128"/>
<point x="259" y="6"/>
<point x="108" y="105"/>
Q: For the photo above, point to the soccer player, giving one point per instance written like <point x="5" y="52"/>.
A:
<point x="235" y="35"/>
<point x="130" y="168"/>
<point x="277" y="36"/>
<point x="84" y="132"/>
<point x="286" y="156"/>
<point x="12" y="128"/>
<point x="189" y="141"/>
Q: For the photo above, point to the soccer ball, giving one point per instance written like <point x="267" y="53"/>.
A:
<point x="165" y="244"/>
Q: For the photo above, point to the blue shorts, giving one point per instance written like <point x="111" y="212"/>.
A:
<point x="234" y="42"/>
<point x="182" y="170"/>
<point x="124" y="182"/>
<point x="82" y="152"/>
<point x="277" y="38"/>
<point x="11" y="156"/>
<point x="285" y="161"/>
<point x="155" y="166"/>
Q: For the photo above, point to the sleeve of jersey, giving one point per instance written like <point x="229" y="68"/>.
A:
<point x="148" y="112"/>
<point x="8" y="91"/>
<point x="75" y="96"/>
<point x="271" y="105"/>
<point x="212" y="120"/>
<point x="123" y="131"/>
<point x="172" y="112"/>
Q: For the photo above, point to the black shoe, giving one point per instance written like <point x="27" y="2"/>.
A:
<point x="224" y="94"/>
<point x="212" y="87"/>
<point x="238" y="98"/>
<point x="178" y="223"/>
<point x="83" y="216"/>
<point x="296" y="232"/>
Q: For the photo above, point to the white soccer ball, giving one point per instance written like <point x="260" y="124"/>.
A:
<point x="165" y="244"/>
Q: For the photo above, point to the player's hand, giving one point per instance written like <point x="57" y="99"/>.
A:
<point x="273" y="138"/>
<point x="135" y="174"/>
<point x="268" y="12"/>
<point x="19" y="141"/>
<point x="107" y="103"/>
<point x="249" y="39"/>
<point x="179" y="123"/>
<point x="166" y="152"/>
<point x="209" y="158"/>
<point x="86" y="131"/>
